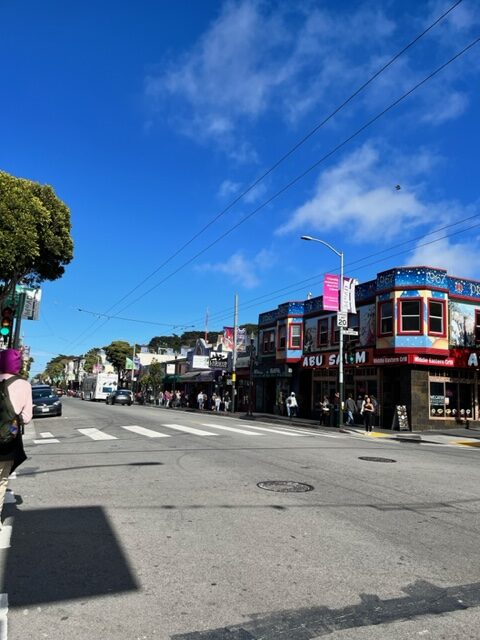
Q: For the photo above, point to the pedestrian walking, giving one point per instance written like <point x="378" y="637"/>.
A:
<point x="351" y="407"/>
<point x="17" y="400"/>
<point x="325" y="416"/>
<point x="200" y="400"/>
<point x="368" y="411"/>
<point x="292" y="405"/>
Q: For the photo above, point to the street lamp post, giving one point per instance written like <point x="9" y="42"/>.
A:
<point x="250" y="386"/>
<point x="340" y="346"/>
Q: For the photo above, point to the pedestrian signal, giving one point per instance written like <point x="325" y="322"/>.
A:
<point x="351" y="358"/>
<point x="7" y="320"/>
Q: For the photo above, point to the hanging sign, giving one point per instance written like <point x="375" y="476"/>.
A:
<point x="330" y="292"/>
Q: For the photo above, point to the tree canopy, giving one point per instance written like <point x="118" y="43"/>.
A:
<point x="117" y="352"/>
<point x="35" y="240"/>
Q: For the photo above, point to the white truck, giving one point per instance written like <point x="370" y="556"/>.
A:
<point x="99" y="386"/>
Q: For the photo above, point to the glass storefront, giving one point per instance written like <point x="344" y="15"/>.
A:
<point x="452" y="398"/>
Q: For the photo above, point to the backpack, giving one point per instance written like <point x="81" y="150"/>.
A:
<point x="10" y="422"/>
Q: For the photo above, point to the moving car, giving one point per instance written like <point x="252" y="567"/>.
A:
<point x="45" y="401"/>
<point x="120" y="396"/>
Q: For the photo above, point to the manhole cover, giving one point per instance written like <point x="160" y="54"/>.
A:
<point x="373" y="459"/>
<point x="285" y="486"/>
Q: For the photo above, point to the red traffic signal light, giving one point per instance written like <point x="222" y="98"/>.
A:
<point x="6" y="323"/>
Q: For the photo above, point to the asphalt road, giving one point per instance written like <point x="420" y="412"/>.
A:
<point x="170" y="537"/>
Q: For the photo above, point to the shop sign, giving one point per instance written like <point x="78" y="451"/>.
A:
<point x="472" y="360"/>
<point x="273" y="372"/>
<point x="200" y="362"/>
<point x="437" y="400"/>
<point x="390" y="359"/>
<point x="218" y="360"/>
<point x="332" y="359"/>
<point x="431" y="361"/>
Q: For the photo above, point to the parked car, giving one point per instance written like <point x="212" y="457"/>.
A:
<point x="120" y="396"/>
<point x="45" y="401"/>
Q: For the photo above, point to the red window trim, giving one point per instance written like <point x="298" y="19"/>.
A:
<point x="400" y="301"/>
<point x="323" y="321"/>
<point x="295" y="324"/>
<point x="477" y="323"/>
<point x="379" y="317"/>
<point x="440" y="334"/>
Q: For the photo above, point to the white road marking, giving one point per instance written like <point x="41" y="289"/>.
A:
<point x="197" y="432"/>
<point x="5" y="535"/>
<point x="96" y="434"/>
<point x="223" y="427"/>
<point x="46" y="434"/>
<point x="46" y="441"/>
<point x="3" y="616"/>
<point x="146" y="432"/>
<point x="284" y="433"/>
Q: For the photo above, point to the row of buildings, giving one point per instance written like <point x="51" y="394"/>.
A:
<point x="415" y="345"/>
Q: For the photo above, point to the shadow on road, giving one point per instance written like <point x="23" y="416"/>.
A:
<point x="423" y="598"/>
<point x="63" y="554"/>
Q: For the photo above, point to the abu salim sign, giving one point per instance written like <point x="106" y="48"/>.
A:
<point x="332" y="359"/>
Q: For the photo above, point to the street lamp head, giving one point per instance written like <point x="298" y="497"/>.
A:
<point x="306" y="238"/>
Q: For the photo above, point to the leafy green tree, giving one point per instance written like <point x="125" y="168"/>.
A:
<point x="117" y="352"/>
<point x="155" y="375"/>
<point x="91" y="359"/>
<point x="35" y="240"/>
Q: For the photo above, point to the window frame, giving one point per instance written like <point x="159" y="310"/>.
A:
<point x="268" y="343"/>
<point x="322" y="322"/>
<point x="290" y="335"/>
<point x="334" y="331"/>
<point x="477" y="326"/>
<point x="443" y="304"/>
<point x="280" y="337"/>
<point x="400" y="316"/>
<point x="381" y="304"/>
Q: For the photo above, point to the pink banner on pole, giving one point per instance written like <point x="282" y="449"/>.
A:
<point x="330" y="292"/>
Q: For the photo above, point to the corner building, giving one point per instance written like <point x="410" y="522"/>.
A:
<point x="418" y="345"/>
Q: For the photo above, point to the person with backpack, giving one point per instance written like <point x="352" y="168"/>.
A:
<point x="15" y="411"/>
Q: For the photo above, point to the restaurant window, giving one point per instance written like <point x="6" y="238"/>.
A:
<point x="410" y="316"/>
<point x="436" y="317"/>
<point x="386" y="318"/>
<point x="282" y="336"/>
<point x="268" y="341"/>
<point x="295" y="336"/>
<point x="322" y="332"/>
<point x="451" y="399"/>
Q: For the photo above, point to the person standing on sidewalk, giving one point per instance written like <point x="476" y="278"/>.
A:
<point x="19" y="392"/>
<point x="292" y="405"/>
<point x="368" y="411"/>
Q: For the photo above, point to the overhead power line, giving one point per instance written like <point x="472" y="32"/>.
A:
<point x="284" y="157"/>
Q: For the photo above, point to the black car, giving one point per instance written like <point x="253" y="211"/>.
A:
<point x="120" y="396"/>
<point x="45" y="401"/>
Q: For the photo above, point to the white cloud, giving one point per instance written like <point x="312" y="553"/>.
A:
<point x="240" y="269"/>
<point x="446" y="107"/>
<point x="358" y="197"/>
<point x="228" y="188"/>
<point x="458" y="258"/>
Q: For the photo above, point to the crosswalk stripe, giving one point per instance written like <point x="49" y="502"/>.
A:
<point x="284" y="433"/>
<point x="224" y="428"/>
<point x="197" y="432"/>
<point x="46" y="434"/>
<point x="46" y="441"/>
<point x="145" y="432"/>
<point x="96" y="434"/>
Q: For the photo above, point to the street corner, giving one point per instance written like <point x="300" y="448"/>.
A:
<point x="466" y="443"/>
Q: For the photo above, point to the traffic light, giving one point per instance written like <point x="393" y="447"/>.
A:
<point x="7" y="321"/>
<point x="350" y="355"/>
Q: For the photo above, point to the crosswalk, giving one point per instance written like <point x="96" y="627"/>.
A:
<point x="169" y="430"/>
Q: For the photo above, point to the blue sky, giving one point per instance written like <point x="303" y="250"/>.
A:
<point x="149" y="118"/>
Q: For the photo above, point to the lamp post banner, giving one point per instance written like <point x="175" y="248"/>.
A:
<point x="348" y="295"/>
<point x="330" y="292"/>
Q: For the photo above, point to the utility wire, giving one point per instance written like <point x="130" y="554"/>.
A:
<point x="307" y="171"/>
<point x="284" y="157"/>
<point x="312" y="279"/>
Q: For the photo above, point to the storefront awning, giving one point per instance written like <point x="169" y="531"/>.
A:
<point x="172" y="378"/>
